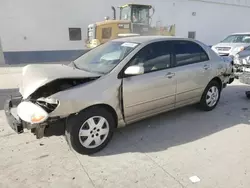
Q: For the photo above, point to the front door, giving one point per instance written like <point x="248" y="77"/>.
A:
<point x="192" y="68"/>
<point x="154" y="91"/>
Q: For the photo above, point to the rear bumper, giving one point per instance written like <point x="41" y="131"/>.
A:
<point x="14" y="122"/>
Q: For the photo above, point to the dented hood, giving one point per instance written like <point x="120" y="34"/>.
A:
<point x="35" y="76"/>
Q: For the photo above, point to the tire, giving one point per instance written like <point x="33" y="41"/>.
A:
<point x="86" y="123"/>
<point x="247" y="94"/>
<point x="204" y="104"/>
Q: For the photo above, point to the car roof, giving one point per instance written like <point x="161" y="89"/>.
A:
<point x="151" y="38"/>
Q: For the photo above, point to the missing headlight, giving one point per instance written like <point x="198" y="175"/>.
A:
<point x="57" y="86"/>
<point x="49" y="105"/>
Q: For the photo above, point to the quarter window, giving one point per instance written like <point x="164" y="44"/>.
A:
<point x="153" y="57"/>
<point x="189" y="52"/>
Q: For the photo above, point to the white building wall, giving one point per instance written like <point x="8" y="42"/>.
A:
<point x="35" y="25"/>
<point x="213" y="20"/>
<point x="27" y="25"/>
<point x="42" y="25"/>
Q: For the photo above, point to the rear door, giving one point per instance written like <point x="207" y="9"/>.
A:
<point x="154" y="91"/>
<point x="193" y="71"/>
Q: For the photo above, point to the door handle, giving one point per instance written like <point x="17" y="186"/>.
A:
<point x="206" y="67"/>
<point x="170" y="75"/>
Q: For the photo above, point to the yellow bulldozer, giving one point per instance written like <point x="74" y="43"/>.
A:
<point x="134" y="20"/>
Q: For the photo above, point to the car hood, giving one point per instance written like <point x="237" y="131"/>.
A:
<point x="35" y="76"/>
<point x="232" y="45"/>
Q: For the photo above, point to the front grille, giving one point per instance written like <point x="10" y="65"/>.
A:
<point x="223" y="48"/>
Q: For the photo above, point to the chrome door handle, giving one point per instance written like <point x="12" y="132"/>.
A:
<point x="170" y="75"/>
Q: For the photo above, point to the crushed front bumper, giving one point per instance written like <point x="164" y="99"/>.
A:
<point x="13" y="120"/>
<point x="18" y="125"/>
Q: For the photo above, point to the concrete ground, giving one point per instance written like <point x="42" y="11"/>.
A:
<point x="160" y="152"/>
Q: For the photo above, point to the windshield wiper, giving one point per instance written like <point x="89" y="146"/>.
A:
<point x="98" y="72"/>
<point x="80" y="68"/>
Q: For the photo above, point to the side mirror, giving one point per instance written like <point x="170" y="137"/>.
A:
<point x="134" y="70"/>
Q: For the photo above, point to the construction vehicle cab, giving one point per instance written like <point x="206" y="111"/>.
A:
<point x="134" y="20"/>
<point x="138" y="15"/>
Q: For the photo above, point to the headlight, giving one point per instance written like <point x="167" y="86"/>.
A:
<point x="31" y="113"/>
<point x="214" y="49"/>
<point x="239" y="49"/>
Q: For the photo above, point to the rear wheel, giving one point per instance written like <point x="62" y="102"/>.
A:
<point x="90" y="131"/>
<point x="210" y="96"/>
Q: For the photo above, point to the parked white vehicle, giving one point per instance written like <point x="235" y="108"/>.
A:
<point x="232" y="44"/>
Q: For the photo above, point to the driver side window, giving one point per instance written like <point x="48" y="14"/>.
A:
<point x="153" y="57"/>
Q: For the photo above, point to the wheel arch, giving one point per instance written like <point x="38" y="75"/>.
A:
<point x="105" y="106"/>
<point x="218" y="80"/>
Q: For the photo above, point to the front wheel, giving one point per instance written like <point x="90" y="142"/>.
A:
<point x="210" y="96"/>
<point x="90" y="131"/>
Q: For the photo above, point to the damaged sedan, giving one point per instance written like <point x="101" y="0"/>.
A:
<point x="115" y="84"/>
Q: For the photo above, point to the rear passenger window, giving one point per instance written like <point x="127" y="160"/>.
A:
<point x="153" y="57"/>
<point x="189" y="52"/>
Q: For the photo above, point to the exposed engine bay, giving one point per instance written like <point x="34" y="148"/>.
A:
<point x="39" y="97"/>
<point x="39" y="101"/>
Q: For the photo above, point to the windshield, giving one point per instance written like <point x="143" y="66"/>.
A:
<point x="237" y="39"/>
<point x="104" y="58"/>
<point x="141" y="15"/>
<point x="126" y="13"/>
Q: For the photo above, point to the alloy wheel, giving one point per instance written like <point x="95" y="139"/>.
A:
<point x="93" y="132"/>
<point x="212" y="96"/>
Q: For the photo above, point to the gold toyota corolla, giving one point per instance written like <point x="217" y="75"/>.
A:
<point x="115" y="84"/>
